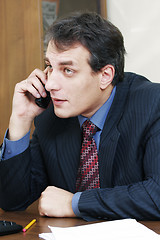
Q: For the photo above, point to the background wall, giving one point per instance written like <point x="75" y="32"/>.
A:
<point x="21" y="48"/>
<point x="139" y="22"/>
<point x="67" y="6"/>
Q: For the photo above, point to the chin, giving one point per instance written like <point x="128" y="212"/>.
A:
<point x="61" y="114"/>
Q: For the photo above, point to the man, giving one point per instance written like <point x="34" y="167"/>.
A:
<point x="86" y="80"/>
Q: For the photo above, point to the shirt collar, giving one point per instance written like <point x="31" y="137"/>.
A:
<point x="99" y="117"/>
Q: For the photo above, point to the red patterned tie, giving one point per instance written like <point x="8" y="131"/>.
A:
<point x="88" y="172"/>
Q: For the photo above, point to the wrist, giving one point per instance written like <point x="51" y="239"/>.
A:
<point x="18" y="127"/>
<point x="70" y="209"/>
<point x="75" y="201"/>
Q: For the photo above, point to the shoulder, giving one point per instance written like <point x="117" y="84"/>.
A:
<point x="140" y="83"/>
<point x="142" y="89"/>
<point x="142" y="103"/>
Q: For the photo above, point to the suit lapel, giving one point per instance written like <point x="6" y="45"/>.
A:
<point x="110" y="135"/>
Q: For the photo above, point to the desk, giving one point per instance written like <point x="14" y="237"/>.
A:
<point x="41" y="225"/>
<point x="24" y="217"/>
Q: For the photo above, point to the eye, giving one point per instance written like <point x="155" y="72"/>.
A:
<point x="68" y="71"/>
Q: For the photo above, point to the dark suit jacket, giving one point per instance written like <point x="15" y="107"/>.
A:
<point x="129" y="158"/>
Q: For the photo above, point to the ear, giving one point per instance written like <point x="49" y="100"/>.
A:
<point x="107" y="75"/>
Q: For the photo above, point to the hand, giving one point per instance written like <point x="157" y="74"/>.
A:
<point x="24" y="109"/>
<point x="56" y="202"/>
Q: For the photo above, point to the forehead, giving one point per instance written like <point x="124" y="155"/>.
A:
<point x="75" y="53"/>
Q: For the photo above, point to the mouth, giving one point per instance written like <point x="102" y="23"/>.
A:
<point x="58" y="101"/>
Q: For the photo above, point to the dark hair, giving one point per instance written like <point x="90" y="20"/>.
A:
<point x="103" y="40"/>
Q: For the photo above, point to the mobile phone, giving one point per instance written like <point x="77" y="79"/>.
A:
<point x="43" y="102"/>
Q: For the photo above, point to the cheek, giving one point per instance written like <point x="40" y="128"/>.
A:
<point x="82" y="93"/>
<point x="81" y="102"/>
<point x="77" y="102"/>
<point x="78" y="97"/>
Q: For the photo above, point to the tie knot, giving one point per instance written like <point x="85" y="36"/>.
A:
<point x="89" y="129"/>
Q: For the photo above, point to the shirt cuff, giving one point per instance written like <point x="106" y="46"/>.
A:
<point x="13" y="148"/>
<point x="75" y="201"/>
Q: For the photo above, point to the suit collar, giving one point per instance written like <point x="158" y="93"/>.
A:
<point x="116" y="109"/>
<point x="110" y="135"/>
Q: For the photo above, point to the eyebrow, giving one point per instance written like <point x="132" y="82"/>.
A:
<point x="61" y="63"/>
<point x="46" y="59"/>
<point x="66" y="63"/>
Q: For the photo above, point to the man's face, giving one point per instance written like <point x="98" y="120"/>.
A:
<point x="73" y="87"/>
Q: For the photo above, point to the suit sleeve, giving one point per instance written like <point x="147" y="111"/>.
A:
<point x="22" y="178"/>
<point x="140" y="200"/>
<point x="13" y="148"/>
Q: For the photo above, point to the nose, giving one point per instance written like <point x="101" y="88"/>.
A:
<point x="52" y="81"/>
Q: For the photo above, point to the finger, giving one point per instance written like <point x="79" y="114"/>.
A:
<point x="26" y="87"/>
<point x="41" y="209"/>
<point x="33" y="91"/>
<point x="23" y="88"/>
<point x="41" y="75"/>
<point x="37" y="84"/>
<point x="41" y="213"/>
<point x="46" y="70"/>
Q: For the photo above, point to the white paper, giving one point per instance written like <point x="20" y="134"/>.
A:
<point x="127" y="229"/>
<point x="47" y="236"/>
